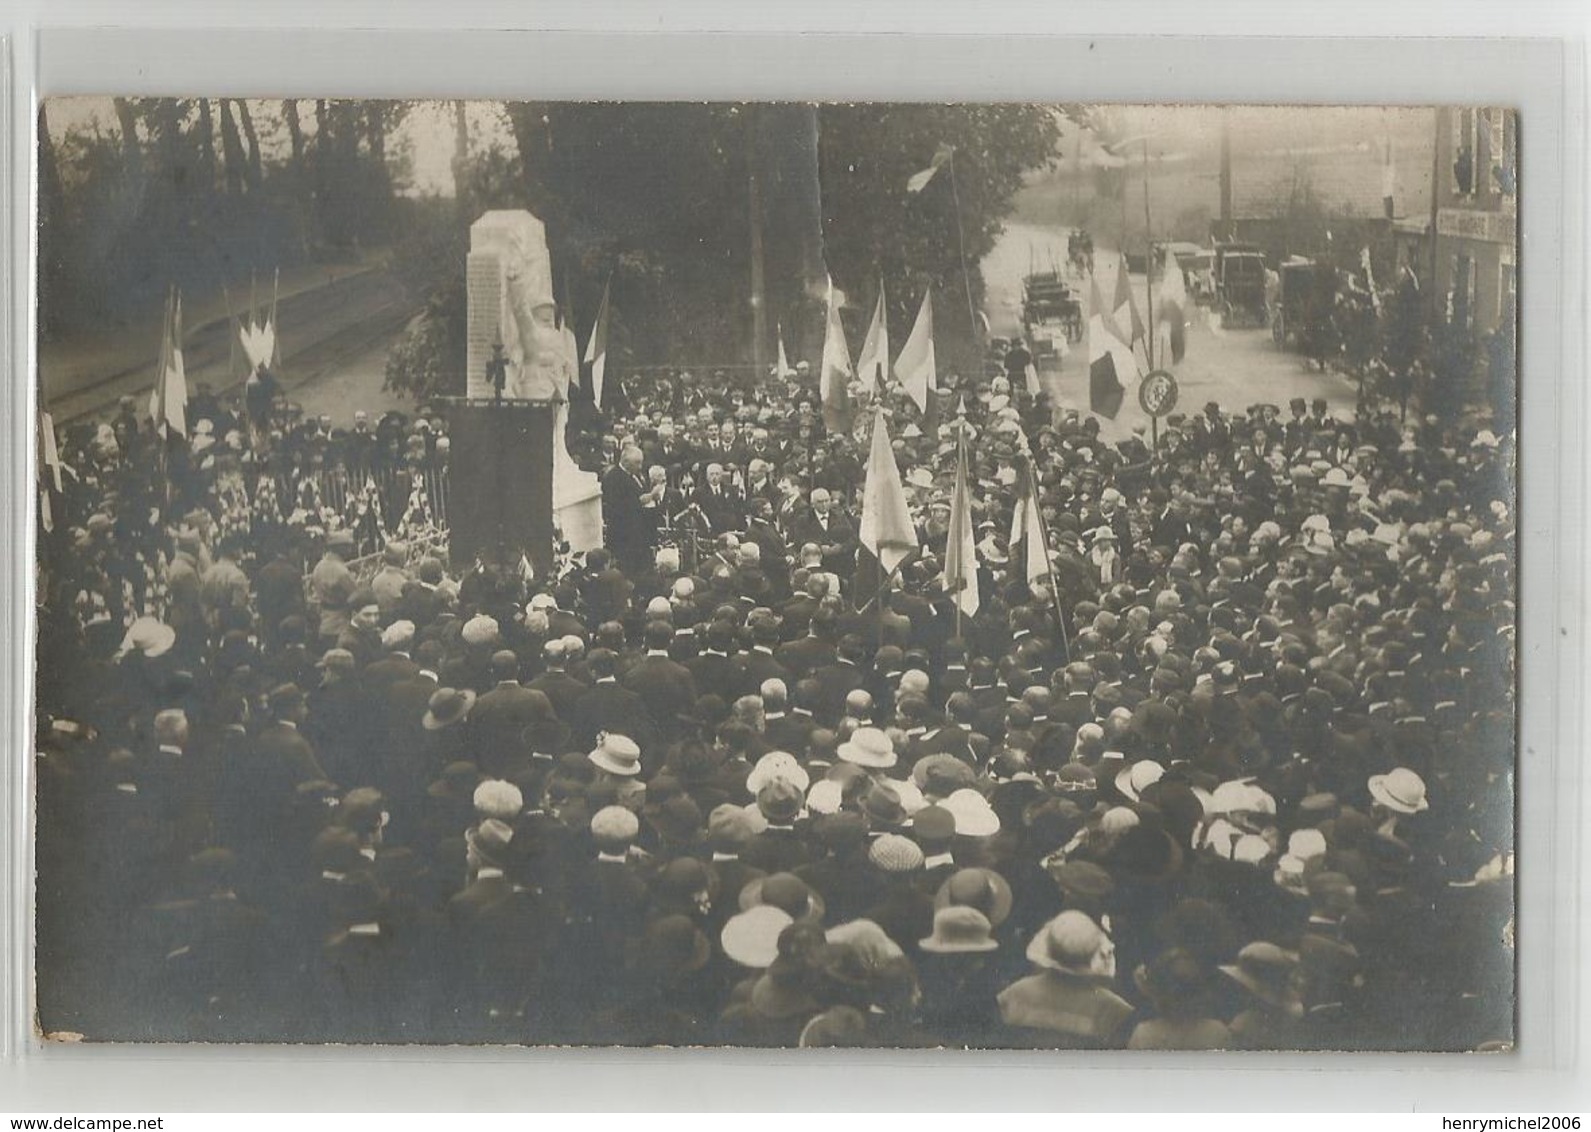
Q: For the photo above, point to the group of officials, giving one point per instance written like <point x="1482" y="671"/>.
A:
<point x="1234" y="771"/>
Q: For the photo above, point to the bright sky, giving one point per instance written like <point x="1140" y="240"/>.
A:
<point x="1172" y="132"/>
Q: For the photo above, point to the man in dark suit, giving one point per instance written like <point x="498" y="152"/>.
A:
<point x="713" y="669"/>
<point x="720" y="500"/>
<point x="501" y="714"/>
<point x="837" y="680"/>
<point x="606" y="590"/>
<point x="396" y="665"/>
<point x="402" y="771"/>
<point x="784" y="729"/>
<point x="757" y="663"/>
<point x="609" y="706"/>
<point x="833" y="533"/>
<point x="338" y="719"/>
<point x="555" y="682"/>
<point x="664" y="684"/>
<point x="281" y="744"/>
<point x="626" y="519"/>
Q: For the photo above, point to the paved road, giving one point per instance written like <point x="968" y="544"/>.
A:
<point x="1234" y="368"/>
<point x="329" y="335"/>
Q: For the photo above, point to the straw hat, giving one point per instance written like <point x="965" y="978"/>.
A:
<point x="1068" y="943"/>
<point x="869" y="747"/>
<point x="617" y="754"/>
<point x="973" y="814"/>
<point x="751" y="938"/>
<point x="958" y="929"/>
<point x="1400" y="790"/>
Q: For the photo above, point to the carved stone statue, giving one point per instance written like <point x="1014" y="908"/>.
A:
<point x="511" y="303"/>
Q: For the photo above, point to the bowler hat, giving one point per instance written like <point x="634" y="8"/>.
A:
<point x="458" y="781"/>
<point x="785" y="891"/>
<point x="490" y="840"/>
<point x="983" y="889"/>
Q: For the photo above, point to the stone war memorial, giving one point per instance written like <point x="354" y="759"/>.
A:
<point x="517" y="487"/>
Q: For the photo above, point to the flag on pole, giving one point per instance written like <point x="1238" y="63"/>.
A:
<point x="783" y="370"/>
<point x="49" y="454"/>
<point x="1389" y="181"/>
<point x="1030" y="376"/>
<point x="168" y="403"/>
<point x="1028" y="544"/>
<point x="1110" y="363"/>
<point x="275" y="338"/>
<point x="1131" y="321"/>
<point x="1370" y="278"/>
<point x="872" y="364"/>
<point x="960" y="578"/>
<point x="1173" y="307"/>
<point x="886" y="529"/>
<point x="919" y="180"/>
<point x="915" y="366"/>
<point x="833" y="380"/>
<point x="597" y="346"/>
<point x="50" y="461"/>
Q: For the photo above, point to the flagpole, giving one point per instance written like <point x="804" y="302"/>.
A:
<point x="961" y="240"/>
<point x="1149" y="266"/>
<point x="966" y="507"/>
<point x="1044" y="548"/>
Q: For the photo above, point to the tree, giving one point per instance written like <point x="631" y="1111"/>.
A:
<point x="873" y="228"/>
<point x="231" y="149"/>
<point x="127" y="119"/>
<point x="251" y="171"/>
<point x="207" y="160"/>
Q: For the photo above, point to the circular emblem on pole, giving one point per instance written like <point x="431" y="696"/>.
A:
<point x="1157" y="393"/>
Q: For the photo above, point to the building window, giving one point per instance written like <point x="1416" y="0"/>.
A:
<point x="1465" y="138"/>
<point x="1505" y="293"/>
<point x="1500" y="149"/>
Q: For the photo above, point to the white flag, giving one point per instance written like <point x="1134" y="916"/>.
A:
<point x="915" y="366"/>
<point x="872" y="364"/>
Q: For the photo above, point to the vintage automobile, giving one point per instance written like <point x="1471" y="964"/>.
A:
<point x="1304" y="304"/>
<point x="1240" y="284"/>
<point x="1050" y="310"/>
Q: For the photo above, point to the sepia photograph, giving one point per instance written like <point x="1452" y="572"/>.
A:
<point x="773" y="574"/>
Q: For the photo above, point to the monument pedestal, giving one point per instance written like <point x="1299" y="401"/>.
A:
<point x="512" y="318"/>
<point x="576" y="494"/>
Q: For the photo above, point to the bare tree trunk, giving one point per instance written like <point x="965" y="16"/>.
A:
<point x="376" y="131"/>
<point x="251" y="170"/>
<point x="461" y="151"/>
<point x="128" y="119"/>
<point x="231" y="149"/>
<point x="300" y="182"/>
<point x="295" y="131"/>
<point x="173" y="168"/>
<point x="207" y="158"/>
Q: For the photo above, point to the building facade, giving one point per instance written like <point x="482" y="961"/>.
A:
<point x="1475" y="209"/>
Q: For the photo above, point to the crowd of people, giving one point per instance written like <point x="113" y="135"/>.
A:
<point x="1235" y="773"/>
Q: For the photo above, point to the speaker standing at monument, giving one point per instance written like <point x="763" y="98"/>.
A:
<point x="627" y="503"/>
